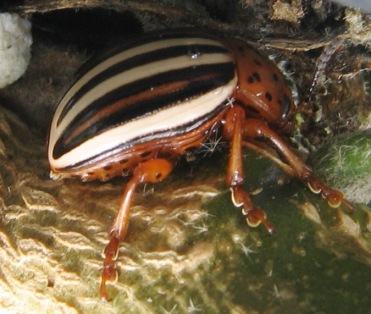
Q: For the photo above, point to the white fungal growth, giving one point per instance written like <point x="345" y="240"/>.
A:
<point x="15" y="44"/>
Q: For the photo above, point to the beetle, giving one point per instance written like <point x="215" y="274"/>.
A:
<point x="147" y="103"/>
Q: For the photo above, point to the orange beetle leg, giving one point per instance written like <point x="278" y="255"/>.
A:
<point x="259" y="129"/>
<point x="334" y="197"/>
<point x="150" y="171"/>
<point x="235" y="177"/>
<point x="254" y="215"/>
<point x="254" y="128"/>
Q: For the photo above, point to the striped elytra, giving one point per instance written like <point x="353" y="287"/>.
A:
<point x="136" y="110"/>
<point x="153" y="89"/>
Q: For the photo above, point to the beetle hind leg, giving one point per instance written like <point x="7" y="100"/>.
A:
<point x="151" y="171"/>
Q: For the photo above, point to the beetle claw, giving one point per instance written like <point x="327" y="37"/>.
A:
<point x="256" y="216"/>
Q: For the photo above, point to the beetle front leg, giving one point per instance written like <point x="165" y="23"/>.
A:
<point x="150" y="171"/>
<point x="334" y="197"/>
<point x="258" y="129"/>
<point x="235" y="174"/>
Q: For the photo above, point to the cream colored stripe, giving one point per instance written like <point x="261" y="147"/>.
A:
<point x="171" y="118"/>
<point x="120" y="57"/>
<point x="138" y="73"/>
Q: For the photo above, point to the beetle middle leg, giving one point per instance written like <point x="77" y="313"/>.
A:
<point x="151" y="171"/>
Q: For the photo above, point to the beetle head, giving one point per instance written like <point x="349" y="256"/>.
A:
<point x="261" y="86"/>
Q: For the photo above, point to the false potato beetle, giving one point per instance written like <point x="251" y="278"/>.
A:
<point x="144" y="105"/>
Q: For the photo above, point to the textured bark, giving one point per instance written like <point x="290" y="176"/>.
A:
<point x="188" y="249"/>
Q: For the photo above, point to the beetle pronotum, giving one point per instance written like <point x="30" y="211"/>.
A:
<point x="141" y="107"/>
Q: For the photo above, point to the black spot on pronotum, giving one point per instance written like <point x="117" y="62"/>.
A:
<point x="253" y="77"/>
<point x="107" y="168"/>
<point x="123" y="161"/>
<point x="256" y="76"/>
<point x="268" y="96"/>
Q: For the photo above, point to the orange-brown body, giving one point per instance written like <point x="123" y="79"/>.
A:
<point x="174" y="103"/>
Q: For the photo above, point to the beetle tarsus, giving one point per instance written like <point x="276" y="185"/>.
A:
<point x="109" y="272"/>
<point x="254" y="215"/>
<point x="334" y="197"/>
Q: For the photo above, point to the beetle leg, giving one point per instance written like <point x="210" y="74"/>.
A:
<point x="150" y="171"/>
<point x="255" y="128"/>
<point x="235" y="174"/>
<point x="334" y="197"/>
